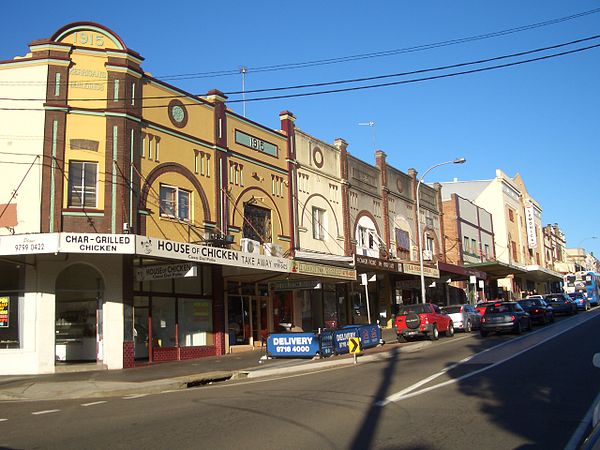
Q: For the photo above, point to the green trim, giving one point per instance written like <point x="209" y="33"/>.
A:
<point x="30" y="62"/>
<point x="82" y="214"/>
<point x="258" y="163"/>
<point x="91" y="28"/>
<point x="120" y="69"/>
<point x="285" y="239"/>
<point x="52" y="168"/>
<point x="116" y="90"/>
<point x="57" y="84"/>
<point x="256" y="126"/>
<point x="114" y="180"/>
<point x="143" y="212"/>
<point x="209" y="225"/>
<point x="178" y="135"/>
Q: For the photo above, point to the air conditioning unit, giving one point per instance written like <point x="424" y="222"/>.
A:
<point x="427" y="255"/>
<point x="273" y="249"/>
<point x="250" y="246"/>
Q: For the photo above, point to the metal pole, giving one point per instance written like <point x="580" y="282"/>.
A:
<point x="368" y="305"/>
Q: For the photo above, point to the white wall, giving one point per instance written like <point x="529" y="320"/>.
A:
<point x="21" y="139"/>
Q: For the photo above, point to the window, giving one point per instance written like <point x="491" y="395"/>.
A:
<point x="514" y="251"/>
<point x="430" y="245"/>
<point x="487" y="250"/>
<point x="465" y="244"/>
<point x="473" y="246"/>
<point x="174" y="202"/>
<point x="511" y="215"/>
<point x="318" y="223"/>
<point x="257" y="223"/>
<point x="365" y="238"/>
<point x="402" y="244"/>
<point x="82" y="184"/>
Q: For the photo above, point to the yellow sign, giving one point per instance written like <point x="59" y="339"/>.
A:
<point x="323" y="270"/>
<point x="354" y="345"/>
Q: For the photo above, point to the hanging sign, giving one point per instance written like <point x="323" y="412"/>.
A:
<point x="530" y="225"/>
<point x="166" y="271"/>
<point x="4" y="311"/>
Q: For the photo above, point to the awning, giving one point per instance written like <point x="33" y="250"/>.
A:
<point x="324" y="258"/>
<point x="497" y="269"/>
<point x="460" y="273"/>
<point x="541" y="274"/>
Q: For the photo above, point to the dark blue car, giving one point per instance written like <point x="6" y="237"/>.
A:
<point x="561" y="303"/>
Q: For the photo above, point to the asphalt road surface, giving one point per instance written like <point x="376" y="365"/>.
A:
<point x="501" y="392"/>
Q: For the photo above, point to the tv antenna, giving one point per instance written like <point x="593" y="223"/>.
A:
<point x="371" y="125"/>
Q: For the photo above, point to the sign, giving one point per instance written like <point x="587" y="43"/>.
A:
<point x="97" y="243"/>
<point x="289" y="285"/>
<point x="166" y="271"/>
<point x="376" y="263"/>
<point x="341" y="338"/>
<point x="185" y="251"/>
<point x="370" y="335"/>
<point x="326" y="341"/>
<point x="530" y="225"/>
<point x="308" y="268"/>
<point x="4" y="311"/>
<point x="354" y="345"/>
<point x="25" y="244"/>
<point x="255" y="143"/>
<point x="296" y="345"/>
<point x="414" y="269"/>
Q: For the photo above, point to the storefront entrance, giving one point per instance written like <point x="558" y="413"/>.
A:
<point x="248" y="315"/>
<point x="78" y="315"/>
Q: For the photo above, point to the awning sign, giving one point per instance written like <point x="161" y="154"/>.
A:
<point x="166" y="271"/>
<point x="97" y="243"/>
<point x="414" y="269"/>
<point x="4" y="311"/>
<point x="323" y="270"/>
<point x="26" y="244"/>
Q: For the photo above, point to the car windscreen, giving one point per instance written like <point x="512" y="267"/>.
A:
<point x="415" y="309"/>
<point x="451" y="309"/>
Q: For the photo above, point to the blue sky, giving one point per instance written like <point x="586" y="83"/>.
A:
<point x="539" y="119"/>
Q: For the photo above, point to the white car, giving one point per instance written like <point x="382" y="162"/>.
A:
<point x="464" y="317"/>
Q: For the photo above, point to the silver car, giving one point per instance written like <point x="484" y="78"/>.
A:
<point x="464" y="317"/>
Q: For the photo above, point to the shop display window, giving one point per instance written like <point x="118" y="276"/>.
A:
<point x="163" y="322"/>
<point x="195" y="322"/>
<point x="10" y="303"/>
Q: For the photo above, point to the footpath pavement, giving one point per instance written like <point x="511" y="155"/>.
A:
<point x="175" y="375"/>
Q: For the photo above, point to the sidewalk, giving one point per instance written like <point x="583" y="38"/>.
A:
<point x="180" y="374"/>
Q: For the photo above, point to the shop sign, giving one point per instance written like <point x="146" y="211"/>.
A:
<point x="4" y="311"/>
<point x="530" y="225"/>
<point x="22" y="244"/>
<point x="162" y="248"/>
<point x="326" y="341"/>
<point x="376" y="263"/>
<point x="166" y="271"/>
<point x="370" y="335"/>
<point x="323" y="270"/>
<point x="407" y="284"/>
<point x="97" y="243"/>
<point x="295" y="285"/>
<point x="414" y="269"/>
<point x="297" y="345"/>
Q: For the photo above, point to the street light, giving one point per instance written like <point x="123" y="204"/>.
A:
<point x="585" y="239"/>
<point x="419" y="228"/>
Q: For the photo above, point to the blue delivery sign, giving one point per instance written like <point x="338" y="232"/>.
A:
<point x="297" y="345"/>
<point x="340" y="339"/>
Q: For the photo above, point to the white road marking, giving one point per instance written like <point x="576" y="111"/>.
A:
<point x="48" y="411"/>
<point x="3" y="420"/>
<point x="93" y="403"/>
<point x="131" y="397"/>
<point x="408" y="392"/>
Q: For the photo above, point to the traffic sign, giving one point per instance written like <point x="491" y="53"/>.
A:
<point x="354" y="345"/>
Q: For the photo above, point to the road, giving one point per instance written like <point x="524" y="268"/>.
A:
<point x="501" y="392"/>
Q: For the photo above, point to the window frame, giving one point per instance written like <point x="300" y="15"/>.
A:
<point x="82" y="186"/>
<point x="176" y="209"/>
<point x="318" y="223"/>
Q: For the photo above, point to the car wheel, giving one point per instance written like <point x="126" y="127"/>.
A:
<point x="518" y="329"/>
<point x="483" y="333"/>
<point x="468" y="327"/>
<point x="450" y="330"/>
<point x="434" y="335"/>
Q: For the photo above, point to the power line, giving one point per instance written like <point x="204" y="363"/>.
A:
<point x="350" y="80"/>
<point x="371" y="86"/>
<point x="378" y="54"/>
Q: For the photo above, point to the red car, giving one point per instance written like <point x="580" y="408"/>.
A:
<point x="480" y="307"/>
<point x="423" y="319"/>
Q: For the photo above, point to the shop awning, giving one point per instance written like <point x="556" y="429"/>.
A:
<point x="541" y="274"/>
<point x="459" y="273"/>
<point x="324" y="258"/>
<point x="497" y="269"/>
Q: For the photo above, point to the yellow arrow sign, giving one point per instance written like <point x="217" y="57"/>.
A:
<point x="354" y="345"/>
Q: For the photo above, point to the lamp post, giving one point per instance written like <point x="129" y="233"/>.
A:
<point x="419" y="228"/>
<point x="585" y="239"/>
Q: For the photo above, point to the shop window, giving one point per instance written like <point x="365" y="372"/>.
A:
<point x="257" y="223"/>
<point x="318" y="219"/>
<point x="195" y="322"/>
<point x="82" y="184"/>
<point x="174" y="202"/>
<point x="163" y="322"/>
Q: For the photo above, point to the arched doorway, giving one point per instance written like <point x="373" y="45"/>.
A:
<point x="79" y="302"/>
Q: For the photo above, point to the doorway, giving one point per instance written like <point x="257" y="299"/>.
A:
<point x="141" y="329"/>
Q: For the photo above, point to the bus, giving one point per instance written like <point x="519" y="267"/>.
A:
<point x="584" y="281"/>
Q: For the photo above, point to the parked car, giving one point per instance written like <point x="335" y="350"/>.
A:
<point x="539" y="311"/>
<point x="423" y="319"/>
<point x="464" y="317"/>
<point x="504" y="317"/>
<point x="581" y="301"/>
<point x="561" y="303"/>
<point x="481" y="306"/>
